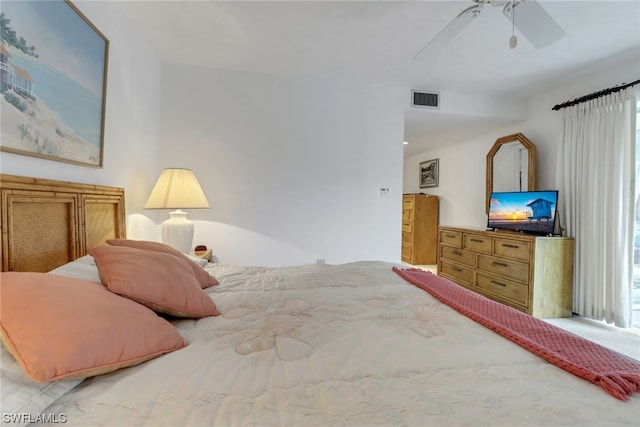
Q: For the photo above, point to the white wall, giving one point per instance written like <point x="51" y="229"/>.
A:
<point x="292" y="168"/>
<point x="132" y="117"/>
<point x="463" y="166"/>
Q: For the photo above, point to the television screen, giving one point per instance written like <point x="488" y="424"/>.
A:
<point x="526" y="211"/>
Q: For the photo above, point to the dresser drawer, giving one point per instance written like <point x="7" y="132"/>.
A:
<point x="407" y="226"/>
<point x="408" y="214"/>
<point x="510" y="269"/>
<point x="477" y="243"/>
<point x="408" y="202"/>
<point x="516" y="249"/>
<point x="458" y="255"/>
<point x="529" y="273"/>
<point x="407" y="253"/>
<point x="451" y="238"/>
<point x="516" y="292"/>
<point x="456" y="271"/>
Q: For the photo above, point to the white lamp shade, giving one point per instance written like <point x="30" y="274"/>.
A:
<point x="177" y="189"/>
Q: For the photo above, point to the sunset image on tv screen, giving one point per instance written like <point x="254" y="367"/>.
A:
<point x="526" y="211"/>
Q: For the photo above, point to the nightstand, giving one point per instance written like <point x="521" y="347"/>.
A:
<point x="207" y="255"/>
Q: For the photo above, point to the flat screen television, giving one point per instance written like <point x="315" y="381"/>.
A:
<point x="525" y="211"/>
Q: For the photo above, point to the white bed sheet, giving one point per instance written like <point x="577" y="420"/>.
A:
<point x="354" y="345"/>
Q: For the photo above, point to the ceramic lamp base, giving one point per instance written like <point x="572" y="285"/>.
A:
<point x="177" y="231"/>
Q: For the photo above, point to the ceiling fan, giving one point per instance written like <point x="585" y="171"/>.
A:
<point x="535" y="24"/>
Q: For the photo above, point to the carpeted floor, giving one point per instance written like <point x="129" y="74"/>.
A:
<point x="624" y="341"/>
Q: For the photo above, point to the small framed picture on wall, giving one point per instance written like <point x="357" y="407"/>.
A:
<point x="429" y="173"/>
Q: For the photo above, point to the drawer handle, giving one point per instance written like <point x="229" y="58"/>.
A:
<point x="458" y="253"/>
<point x="499" y="264"/>
<point x="477" y="240"/>
<point x="457" y="269"/>
<point x="507" y="245"/>
<point x="498" y="284"/>
<point x="450" y="236"/>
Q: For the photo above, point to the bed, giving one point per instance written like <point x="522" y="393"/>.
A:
<point x="312" y="345"/>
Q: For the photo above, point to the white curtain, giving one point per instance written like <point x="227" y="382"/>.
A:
<point x="596" y="179"/>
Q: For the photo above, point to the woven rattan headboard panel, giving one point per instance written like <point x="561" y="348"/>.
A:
<point x="48" y="223"/>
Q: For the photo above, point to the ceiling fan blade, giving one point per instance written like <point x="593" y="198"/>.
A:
<point x="536" y="24"/>
<point x="452" y="28"/>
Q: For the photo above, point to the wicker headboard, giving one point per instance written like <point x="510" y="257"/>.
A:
<point x="47" y="223"/>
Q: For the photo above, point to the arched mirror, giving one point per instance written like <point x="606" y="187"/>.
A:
<point x="511" y="165"/>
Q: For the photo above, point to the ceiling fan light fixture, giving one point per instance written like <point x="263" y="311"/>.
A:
<point x="534" y="24"/>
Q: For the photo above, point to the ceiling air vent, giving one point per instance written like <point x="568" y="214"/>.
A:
<point x="423" y="99"/>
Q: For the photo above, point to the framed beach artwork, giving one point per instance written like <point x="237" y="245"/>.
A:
<point x="53" y="74"/>
<point x="429" y="173"/>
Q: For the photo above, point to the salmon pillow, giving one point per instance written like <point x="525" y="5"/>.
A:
<point x="203" y="277"/>
<point x="164" y="283"/>
<point x="60" y="327"/>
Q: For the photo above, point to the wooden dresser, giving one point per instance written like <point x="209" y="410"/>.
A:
<point x="530" y="273"/>
<point x="419" y="229"/>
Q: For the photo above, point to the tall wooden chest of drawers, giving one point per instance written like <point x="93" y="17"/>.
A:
<point x="419" y="228"/>
<point x="530" y="273"/>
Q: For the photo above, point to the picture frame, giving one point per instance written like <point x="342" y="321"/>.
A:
<point x="428" y="173"/>
<point x="53" y="82"/>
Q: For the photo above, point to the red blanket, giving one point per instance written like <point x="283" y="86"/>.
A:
<point x="617" y="374"/>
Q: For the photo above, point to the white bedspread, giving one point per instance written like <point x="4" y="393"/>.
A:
<point x="351" y="345"/>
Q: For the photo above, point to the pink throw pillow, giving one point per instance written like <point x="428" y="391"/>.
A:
<point x="59" y="327"/>
<point x="162" y="282"/>
<point x="203" y="277"/>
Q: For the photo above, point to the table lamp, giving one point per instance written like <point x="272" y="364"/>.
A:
<point x="177" y="189"/>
